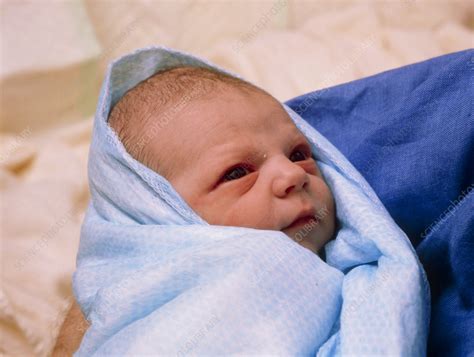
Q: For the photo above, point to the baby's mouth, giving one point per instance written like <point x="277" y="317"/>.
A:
<point x="310" y="221"/>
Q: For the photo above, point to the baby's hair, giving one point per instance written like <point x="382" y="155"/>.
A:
<point x="151" y="104"/>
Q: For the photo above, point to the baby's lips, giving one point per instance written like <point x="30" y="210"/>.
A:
<point x="307" y="220"/>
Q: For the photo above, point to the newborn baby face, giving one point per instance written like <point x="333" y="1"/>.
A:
<point x="238" y="160"/>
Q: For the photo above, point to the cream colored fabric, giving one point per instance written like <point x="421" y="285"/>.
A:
<point x="287" y="47"/>
<point x="48" y="65"/>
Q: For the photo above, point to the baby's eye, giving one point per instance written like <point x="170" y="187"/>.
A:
<point x="235" y="173"/>
<point x="298" y="155"/>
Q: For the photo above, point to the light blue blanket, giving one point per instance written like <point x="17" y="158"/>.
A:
<point x="154" y="278"/>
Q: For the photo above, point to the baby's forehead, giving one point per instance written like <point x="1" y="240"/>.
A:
<point x="252" y="134"/>
<point x="228" y="117"/>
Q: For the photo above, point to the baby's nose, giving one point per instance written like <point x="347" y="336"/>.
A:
<point x="288" y="177"/>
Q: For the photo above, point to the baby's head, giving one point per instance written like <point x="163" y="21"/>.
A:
<point x="230" y="150"/>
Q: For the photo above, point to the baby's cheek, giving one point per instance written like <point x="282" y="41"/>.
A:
<point x="211" y="214"/>
<point x="256" y="213"/>
<point x="329" y="214"/>
<point x="322" y="190"/>
<point x="218" y="211"/>
<point x="202" y="207"/>
<point x="330" y="208"/>
<point x="227" y="209"/>
<point x="236" y="214"/>
<point x="241" y="215"/>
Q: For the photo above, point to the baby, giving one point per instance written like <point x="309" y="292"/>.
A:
<point x="230" y="150"/>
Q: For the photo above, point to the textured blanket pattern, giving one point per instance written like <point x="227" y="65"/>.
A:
<point x="153" y="277"/>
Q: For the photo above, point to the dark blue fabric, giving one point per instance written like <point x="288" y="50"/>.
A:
<point x="410" y="132"/>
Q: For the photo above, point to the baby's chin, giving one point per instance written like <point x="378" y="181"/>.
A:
<point x="312" y="235"/>
<point x="313" y="242"/>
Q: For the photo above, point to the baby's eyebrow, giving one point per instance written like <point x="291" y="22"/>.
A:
<point x="245" y="153"/>
<point x="299" y="137"/>
<point x="251" y="154"/>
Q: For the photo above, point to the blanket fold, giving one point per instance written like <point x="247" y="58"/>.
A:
<point x="154" y="277"/>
